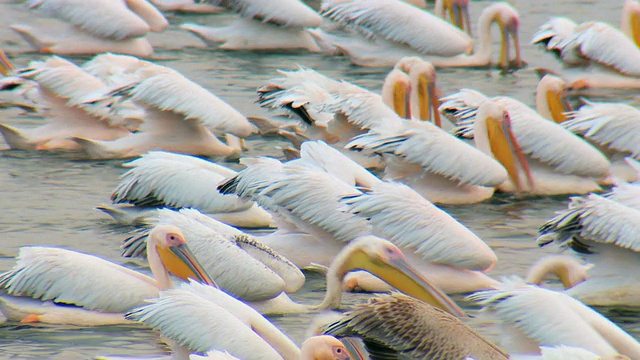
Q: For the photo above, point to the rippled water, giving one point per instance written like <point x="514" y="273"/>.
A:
<point x="49" y="199"/>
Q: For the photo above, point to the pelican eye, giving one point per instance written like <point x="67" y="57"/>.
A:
<point x="173" y="239"/>
<point x="339" y="352"/>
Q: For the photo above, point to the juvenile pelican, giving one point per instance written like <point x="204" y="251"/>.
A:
<point x="176" y="322"/>
<point x="398" y="326"/>
<point x="94" y="27"/>
<point x="162" y="179"/>
<point x="46" y="280"/>
<point x="602" y="229"/>
<point x="401" y="30"/>
<point x="262" y="25"/>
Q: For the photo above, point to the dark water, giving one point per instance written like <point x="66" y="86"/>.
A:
<point x="49" y="199"/>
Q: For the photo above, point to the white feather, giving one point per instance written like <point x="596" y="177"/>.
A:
<point x="399" y="214"/>
<point x="170" y="91"/>
<point x="202" y="325"/>
<point x="66" y="276"/>
<point x="436" y="151"/>
<point x="400" y="22"/>
<point x="105" y="18"/>
<point x="614" y="126"/>
<point x="176" y="181"/>
<point x="551" y="144"/>
<point x="289" y="13"/>
<point x="606" y="45"/>
<point x="553" y="318"/>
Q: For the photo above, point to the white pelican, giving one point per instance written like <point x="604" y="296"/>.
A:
<point x="456" y="10"/>
<point x="401" y="30"/>
<point x="603" y="230"/>
<point x="265" y="274"/>
<point x="94" y="27"/>
<point x="420" y="155"/>
<point x="181" y="116"/>
<point x="253" y="336"/>
<point x="46" y="280"/>
<point x="159" y="179"/>
<point x="531" y="317"/>
<point x="304" y="199"/>
<point x="336" y="111"/>
<point x="61" y="84"/>
<point x="262" y="25"/>
<point x="175" y="313"/>
<point x="560" y="162"/>
<point x="187" y="6"/>
<point x="595" y="54"/>
<point x="614" y="128"/>
<point x="395" y="325"/>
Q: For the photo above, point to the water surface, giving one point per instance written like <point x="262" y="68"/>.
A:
<point x="49" y="199"/>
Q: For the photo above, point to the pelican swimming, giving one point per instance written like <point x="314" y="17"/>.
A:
<point x="45" y="281"/>
<point x="531" y="317"/>
<point x="265" y="273"/>
<point x="601" y="229"/>
<point x="397" y="325"/>
<point x="60" y="85"/>
<point x="253" y="336"/>
<point x="163" y="179"/>
<point x="559" y="161"/>
<point x="262" y="26"/>
<point x="613" y="127"/>
<point x="92" y="28"/>
<point x="420" y="155"/>
<point x="401" y="30"/>
<point x="181" y="117"/>
<point x="175" y="312"/>
<point x="336" y="111"/>
<point x="308" y="202"/>
<point x="187" y="6"/>
<point x="595" y="54"/>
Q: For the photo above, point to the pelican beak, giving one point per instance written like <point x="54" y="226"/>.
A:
<point x="182" y="263"/>
<point x="635" y="27"/>
<point x="460" y="15"/>
<point x="6" y="68"/>
<point x="510" y="30"/>
<point x="558" y="106"/>
<point x="395" y="271"/>
<point x="504" y="147"/>
<point x="402" y="99"/>
<point x="428" y="101"/>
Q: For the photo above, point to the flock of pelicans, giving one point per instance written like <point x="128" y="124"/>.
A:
<point x="362" y="231"/>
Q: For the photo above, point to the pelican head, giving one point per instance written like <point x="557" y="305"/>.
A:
<point x="167" y="252"/>
<point x="384" y="260"/>
<point x="396" y="93"/>
<point x="6" y="68"/>
<point x="508" y="20"/>
<point x="551" y="98"/>
<point x="495" y="121"/>
<point x="323" y="347"/>
<point x="567" y="268"/>
<point x="424" y="91"/>
<point x="458" y="11"/>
